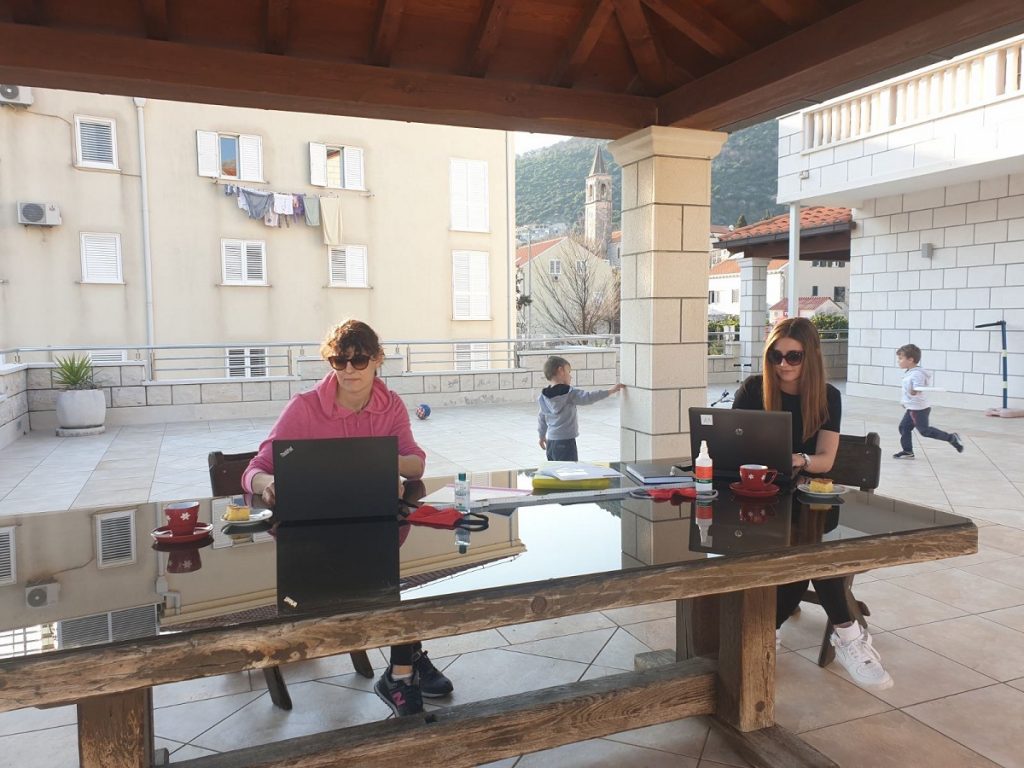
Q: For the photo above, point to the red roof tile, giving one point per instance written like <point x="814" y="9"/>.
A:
<point x="534" y="249"/>
<point x="810" y="218"/>
<point x="804" y="302"/>
<point x="732" y="266"/>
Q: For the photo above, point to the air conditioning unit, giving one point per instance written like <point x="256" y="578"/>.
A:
<point x="38" y="214"/>
<point x="42" y="595"/>
<point x="15" y="94"/>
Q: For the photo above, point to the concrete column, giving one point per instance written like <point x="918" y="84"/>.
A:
<point x="666" y="218"/>
<point x="753" y="311"/>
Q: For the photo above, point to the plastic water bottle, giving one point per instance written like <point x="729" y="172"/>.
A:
<point x="462" y="493"/>
<point x="703" y="470"/>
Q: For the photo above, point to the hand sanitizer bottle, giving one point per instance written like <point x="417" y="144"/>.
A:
<point x="703" y="470"/>
<point x="462" y="540"/>
<point x="462" y="493"/>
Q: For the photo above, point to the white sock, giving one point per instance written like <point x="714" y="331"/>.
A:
<point x="846" y="634"/>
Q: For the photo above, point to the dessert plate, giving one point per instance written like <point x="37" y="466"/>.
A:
<point x="765" y="493"/>
<point x="164" y="534"/>
<point x="255" y="516"/>
<point x="837" y="490"/>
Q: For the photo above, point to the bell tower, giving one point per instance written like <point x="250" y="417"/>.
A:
<point x="598" y="207"/>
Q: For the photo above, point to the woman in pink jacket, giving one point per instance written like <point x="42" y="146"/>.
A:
<point x="351" y="401"/>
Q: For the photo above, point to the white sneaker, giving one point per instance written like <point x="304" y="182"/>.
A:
<point x="861" y="661"/>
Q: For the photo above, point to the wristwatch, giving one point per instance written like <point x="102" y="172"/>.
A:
<point x="807" y="460"/>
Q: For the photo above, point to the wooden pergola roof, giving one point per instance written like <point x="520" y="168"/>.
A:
<point x="600" y="68"/>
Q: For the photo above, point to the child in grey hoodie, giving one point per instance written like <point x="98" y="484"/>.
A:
<point x="908" y="357"/>
<point x="556" y="421"/>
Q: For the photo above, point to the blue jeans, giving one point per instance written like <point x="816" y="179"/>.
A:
<point x="919" y="420"/>
<point x="562" y="450"/>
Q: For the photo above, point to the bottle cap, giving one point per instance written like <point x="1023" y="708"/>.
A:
<point x="462" y="475"/>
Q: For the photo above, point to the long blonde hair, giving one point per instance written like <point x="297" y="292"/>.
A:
<point x="813" y="396"/>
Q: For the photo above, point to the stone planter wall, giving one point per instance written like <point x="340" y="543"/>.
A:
<point x="14" y="419"/>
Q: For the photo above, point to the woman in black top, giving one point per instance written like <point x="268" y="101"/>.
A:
<point x="794" y="381"/>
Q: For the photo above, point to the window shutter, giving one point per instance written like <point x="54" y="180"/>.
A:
<point x="96" y="143"/>
<point x="115" y="538"/>
<point x="101" y="258"/>
<point x="338" y="265"/>
<point x="477" y="197"/>
<point x="236" y="363"/>
<point x="471" y="357"/>
<point x="460" y="285"/>
<point x="479" y="288"/>
<point x="459" y="188"/>
<point x="208" y="151"/>
<point x="317" y="164"/>
<point x="250" y="158"/>
<point x="255" y="262"/>
<point x="8" y="574"/>
<point x="356" y="257"/>
<point x="354" y="168"/>
<point x="231" y="256"/>
<point x="257" y="361"/>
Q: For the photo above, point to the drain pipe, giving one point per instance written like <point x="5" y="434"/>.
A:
<point x="147" y="254"/>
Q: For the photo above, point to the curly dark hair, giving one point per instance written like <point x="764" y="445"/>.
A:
<point x="351" y="334"/>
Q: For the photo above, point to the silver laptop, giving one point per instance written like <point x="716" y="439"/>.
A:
<point x="737" y="437"/>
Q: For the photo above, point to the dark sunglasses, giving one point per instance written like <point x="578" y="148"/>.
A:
<point x="359" y="362"/>
<point x="793" y="357"/>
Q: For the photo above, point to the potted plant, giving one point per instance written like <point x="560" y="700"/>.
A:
<point x="81" y="407"/>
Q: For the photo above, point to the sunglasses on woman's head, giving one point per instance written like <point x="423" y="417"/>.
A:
<point x="340" y="363"/>
<point x="793" y="357"/>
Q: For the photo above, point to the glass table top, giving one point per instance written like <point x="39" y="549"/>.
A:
<point x="94" y="576"/>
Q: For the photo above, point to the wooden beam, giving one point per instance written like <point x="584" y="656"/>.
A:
<point x="60" y="58"/>
<point x="643" y="46"/>
<point x="846" y="50"/>
<point x="276" y="20"/>
<point x="746" y="658"/>
<point x="28" y="12"/>
<point x="66" y="676"/>
<point x="582" y="43"/>
<point x="481" y="732"/>
<point x="385" y="33"/>
<point x="116" y="731"/>
<point x="698" y="24"/>
<point x="488" y="33"/>
<point x="773" y="747"/>
<point x="154" y="14"/>
<point x="795" y="13"/>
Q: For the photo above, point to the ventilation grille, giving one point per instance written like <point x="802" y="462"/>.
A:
<point x="7" y="572"/>
<point x="115" y="533"/>
<point x="127" y="624"/>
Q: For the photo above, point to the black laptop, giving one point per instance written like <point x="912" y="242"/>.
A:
<point x="335" y="479"/>
<point x="736" y="437"/>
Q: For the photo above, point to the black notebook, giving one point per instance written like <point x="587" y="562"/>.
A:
<point x="650" y="473"/>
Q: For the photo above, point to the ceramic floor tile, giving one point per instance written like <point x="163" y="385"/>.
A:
<point x="806" y="628"/>
<point x="583" y="646"/>
<point x="32" y="719"/>
<point x="602" y="753"/>
<point x="657" y="635"/>
<point x="314" y="669"/>
<point x="1008" y="571"/>
<point x="1008" y="617"/>
<point x="539" y="630"/>
<point x="891" y="740"/>
<point x="892" y="606"/>
<point x="189" y="752"/>
<point x="202" y="688"/>
<point x="963" y="590"/>
<point x="24" y="750"/>
<point x="183" y="722"/>
<point x="1002" y="537"/>
<point x="986" y="721"/>
<point x="636" y="614"/>
<point x="496" y="672"/>
<point x="692" y="737"/>
<point x="621" y="650"/>
<point x="471" y="641"/>
<point x="975" y="642"/>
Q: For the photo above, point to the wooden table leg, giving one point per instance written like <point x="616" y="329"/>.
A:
<point x="116" y="731"/>
<point x="696" y="627"/>
<point x="746" y="659"/>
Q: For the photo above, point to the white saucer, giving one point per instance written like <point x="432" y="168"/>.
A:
<point x="255" y="516"/>
<point x="837" y="490"/>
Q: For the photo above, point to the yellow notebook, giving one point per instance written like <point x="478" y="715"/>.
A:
<point x="544" y="483"/>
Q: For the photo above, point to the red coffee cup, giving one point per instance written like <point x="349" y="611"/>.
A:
<point x="756" y="477"/>
<point x="182" y="517"/>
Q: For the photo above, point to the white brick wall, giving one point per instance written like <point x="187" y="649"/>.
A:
<point x="975" y="275"/>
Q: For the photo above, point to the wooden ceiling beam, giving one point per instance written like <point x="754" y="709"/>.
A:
<point x="643" y="46"/>
<point x="707" y="31"/>
<point x="795" y="13"/>
<point x="385" y="33"/>
<point x="87" y="61"/>
<point x="582" y="43"/>
<point x="276" y="22"/>
<point x="154" y="15"/>
<point x="488" y="33"/>
<point x="866" y="42"/>
<point x="28" y="12"/>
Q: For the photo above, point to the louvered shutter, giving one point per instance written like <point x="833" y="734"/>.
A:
<point x="255" y="271"/>
<point x="348" y="265"/>
<point x="8" y="574"/>
<point x="338" y="265"/>
<point x="477" y="197"/>
<point x="208" y="152"/>
<point x="96" y="143"/>
<point x="87" y="630"/>
<point x="257" y="361"/>
<point x="115" y="534"/>
<point x="479" y="287"/>
<point x="250" y="158"/>
<point x="461" y="285"/>
<point x="317" y="164"/>
<point x="471" y="357"/>
<point x="236" y="363"/>
<point x="354" y="168"/>
<point x="108" y="356"/>
<point x="133" y="623"/>
<point x="459" y="189"/>
<point x="101" y="258"/>
<point x="231" y="258"/>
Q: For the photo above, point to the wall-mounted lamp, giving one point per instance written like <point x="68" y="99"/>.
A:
<point x="927" y="250"/>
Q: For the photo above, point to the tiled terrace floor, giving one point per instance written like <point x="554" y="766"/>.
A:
<point x="950" y="632"/>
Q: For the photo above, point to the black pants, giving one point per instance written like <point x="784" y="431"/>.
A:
<point x="830" y="593"/>
<point x="563" y="450"/>
<point x="919" y="420"/>
<point x="401" y="655"/>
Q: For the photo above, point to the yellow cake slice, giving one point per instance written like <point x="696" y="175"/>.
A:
<point x="236" y="513"/>
<point x="821" y="485"/>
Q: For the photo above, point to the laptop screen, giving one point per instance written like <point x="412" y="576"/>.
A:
<point x="336" y="479"/>
<point x="736" y="437"/>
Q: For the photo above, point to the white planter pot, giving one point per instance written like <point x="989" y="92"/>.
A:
<point x="81" y="409"/>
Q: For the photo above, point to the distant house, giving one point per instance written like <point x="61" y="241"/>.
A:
<point x="807" y="306"/>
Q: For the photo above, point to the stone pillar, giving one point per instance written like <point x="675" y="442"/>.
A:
<point x="753" y="311"/>
<point x="666" y="218"/>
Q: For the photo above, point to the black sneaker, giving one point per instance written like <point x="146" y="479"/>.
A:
<point x="433" y="683"/>
<point x="956" y="442"/>
<point x="403" y="698"/>
<point x="906" y="455"/>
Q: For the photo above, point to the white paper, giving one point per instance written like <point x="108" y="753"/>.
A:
<point x="446" y="495"/>
<point x="575" y="470"/>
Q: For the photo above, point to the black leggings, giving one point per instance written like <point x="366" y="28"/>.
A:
<point x="830" y="593"/>
<point x="401" y="655"/>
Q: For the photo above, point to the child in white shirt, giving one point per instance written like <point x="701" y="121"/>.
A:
<point x="908" y="357"/>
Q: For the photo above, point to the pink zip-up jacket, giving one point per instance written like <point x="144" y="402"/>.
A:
<point x="314" y="414"/>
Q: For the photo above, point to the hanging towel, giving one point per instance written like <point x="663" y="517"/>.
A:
<point x="241" y="200"/>
<point x="257" y="202"/>
<point x="330" y="219"/>
<point x="298" y="209"/>
<point x="311" y="207"/>
<point x="271" y="218"/>
<point x="283" y="204"/>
